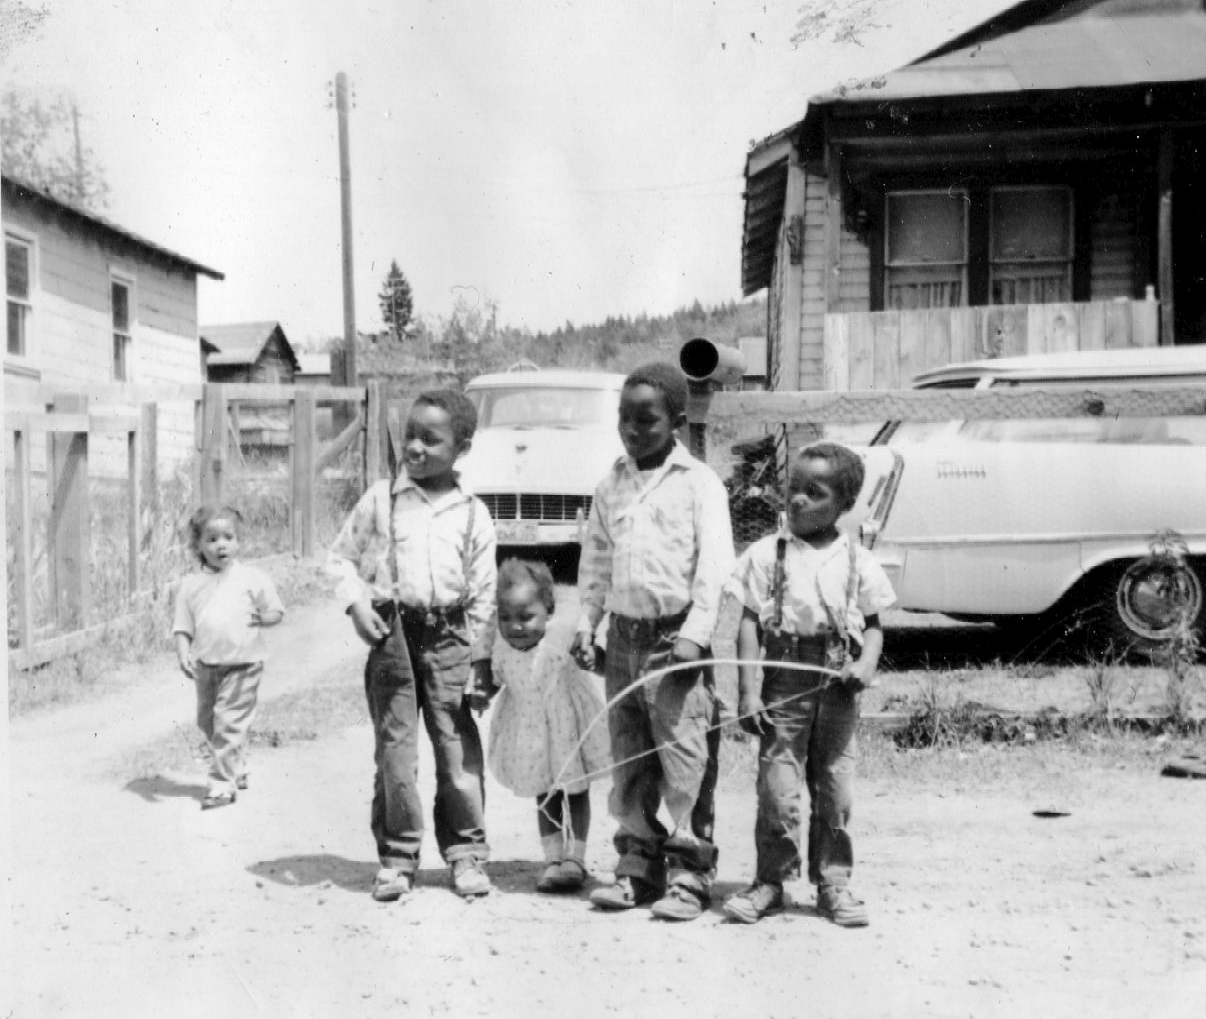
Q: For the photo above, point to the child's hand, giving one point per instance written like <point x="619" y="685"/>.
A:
<point x="582" y="650"/>
<point x="186" y="665"/>
<point x="857" y="676"/>
<point x="685" y="651"/>
<point x="369" y="626"/>
<point x="752" y="715"/>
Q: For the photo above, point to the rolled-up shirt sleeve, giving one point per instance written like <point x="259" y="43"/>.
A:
<point x="595" y="565"/>
<point x="347" y="554"/>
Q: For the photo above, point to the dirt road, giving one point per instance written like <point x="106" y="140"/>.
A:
<point x="130" y="901"/>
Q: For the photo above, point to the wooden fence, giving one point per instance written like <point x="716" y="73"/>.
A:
<point x="885" y="349"/>
<point x="75" y="420"/>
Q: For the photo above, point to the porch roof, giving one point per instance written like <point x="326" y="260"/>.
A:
<point x="1087" y="52"/>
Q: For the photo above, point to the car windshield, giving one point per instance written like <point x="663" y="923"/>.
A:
<point x="522" y="406"/>
<point x="1189" y="430"/>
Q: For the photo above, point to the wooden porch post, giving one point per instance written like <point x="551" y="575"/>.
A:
<point x="1164" y="280"/>
<point x="791" y="275"/>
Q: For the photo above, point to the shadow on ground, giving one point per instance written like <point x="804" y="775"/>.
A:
<point x="162" y="787"/>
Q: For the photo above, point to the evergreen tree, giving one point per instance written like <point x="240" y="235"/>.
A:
<point x="397" y="303"/>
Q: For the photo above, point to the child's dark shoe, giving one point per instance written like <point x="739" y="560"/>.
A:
<point x="838" y="905"/>
<point x="626" y="893"/>
<point x="390" y="885"/>
<point x="679" y="903"/>
<point x="222" y="799"/>
<point x="755" y="902"/>
<point x="469" y="879"/>
<point x="547" y="882"/>
<point x="568" y="876"/>
<point x="241" y="782"/>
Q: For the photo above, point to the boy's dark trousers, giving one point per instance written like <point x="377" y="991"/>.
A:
<point x="811" y="744"/>
<point x="664" y="750"/>
<point x="422" y="668"/>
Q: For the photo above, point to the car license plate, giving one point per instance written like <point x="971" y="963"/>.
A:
<point x="516" y="532"/>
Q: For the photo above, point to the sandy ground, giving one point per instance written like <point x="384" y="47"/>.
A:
<point x="130" y="901"/>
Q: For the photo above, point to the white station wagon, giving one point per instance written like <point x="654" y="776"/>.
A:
<point x="545" y="438"/>
<point x="1007" y="520"/>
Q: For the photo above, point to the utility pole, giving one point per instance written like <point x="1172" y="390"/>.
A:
<point x="345" y="202"/>
<point x="79" y="154"/>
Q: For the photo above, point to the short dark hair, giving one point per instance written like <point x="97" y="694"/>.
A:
<point x="515" y="573"/>
<point x="667" y="380"/>
<point x="848" y="470"/>
<point x="459" y="408"/>
<point x="202" y="515"/>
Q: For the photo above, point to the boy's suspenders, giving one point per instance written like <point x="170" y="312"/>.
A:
<point x="779" y="585"/>
<point x="466" y="547"/>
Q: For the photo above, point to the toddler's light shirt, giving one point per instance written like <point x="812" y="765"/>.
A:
<point x="214" y="609"/>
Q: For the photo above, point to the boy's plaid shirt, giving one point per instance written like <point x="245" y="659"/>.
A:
<point x="657" y="543"/>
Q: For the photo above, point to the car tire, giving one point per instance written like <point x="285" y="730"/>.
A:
<point x="1141" y="602"/>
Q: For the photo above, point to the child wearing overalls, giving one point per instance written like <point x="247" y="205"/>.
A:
<point x="811" y="595"/>
<point x="416" y="559"/>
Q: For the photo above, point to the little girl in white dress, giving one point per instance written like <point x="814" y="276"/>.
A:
<point x="548" y="736"/>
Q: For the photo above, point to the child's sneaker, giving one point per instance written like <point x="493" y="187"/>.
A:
<point x="755" y="902"/>
<point x="241" y="782"/>
<point x="679" y="903"/>
<point x="390" y="885"/>
<point x="838" y="905"/>
<point x="469" y="879"/>
<point x="565" y="876"/>
<point x="626" y="893"/>
<point x="217" y="799"/>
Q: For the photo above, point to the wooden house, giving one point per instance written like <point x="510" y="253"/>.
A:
<point x="95" y="309"/>
<point x="253" y="352"/>
<point x="1035" y="184"/>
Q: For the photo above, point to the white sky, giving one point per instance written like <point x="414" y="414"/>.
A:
<point x="569" y="160"/>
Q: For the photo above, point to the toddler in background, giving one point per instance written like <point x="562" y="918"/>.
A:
<point x="220" y="614"/>
<point x="541" y="740"/>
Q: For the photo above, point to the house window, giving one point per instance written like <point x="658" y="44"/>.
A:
<point x="925" y="254"/>
<point x="119" y="293"/>
<point x="18" y="263"/>
<point x="1030" y="245"/>
<point x="1018" y="242"/>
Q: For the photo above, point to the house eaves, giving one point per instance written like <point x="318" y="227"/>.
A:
<point x="14" y="187"/>
<point x="765" y="193"/>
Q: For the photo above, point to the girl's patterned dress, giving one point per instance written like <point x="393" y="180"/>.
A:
<point x="539" y="737"/>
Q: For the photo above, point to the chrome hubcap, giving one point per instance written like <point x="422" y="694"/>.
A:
<point x="1154" y="595"/>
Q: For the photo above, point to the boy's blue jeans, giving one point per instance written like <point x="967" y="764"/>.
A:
<point x="812" y="744"/>
<point x="422" y="669"/>
<point x="664" y="751"/>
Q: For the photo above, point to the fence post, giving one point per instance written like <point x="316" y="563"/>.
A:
<point x="23" y="581"/>
<point x="304" y="441"/>
<point x="133" y="504"/>
<point x="212" y="459"/>
<point x="372" y="432"/>
<point x="70" y="522"/>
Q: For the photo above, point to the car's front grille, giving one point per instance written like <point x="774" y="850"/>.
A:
<point x="536" y="507"/>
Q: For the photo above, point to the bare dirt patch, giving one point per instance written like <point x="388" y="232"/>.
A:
<point x="130" y="901"/>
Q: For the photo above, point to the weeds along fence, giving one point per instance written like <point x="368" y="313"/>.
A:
<point x="95" y="539"/>
<point x="746" y="436"/>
